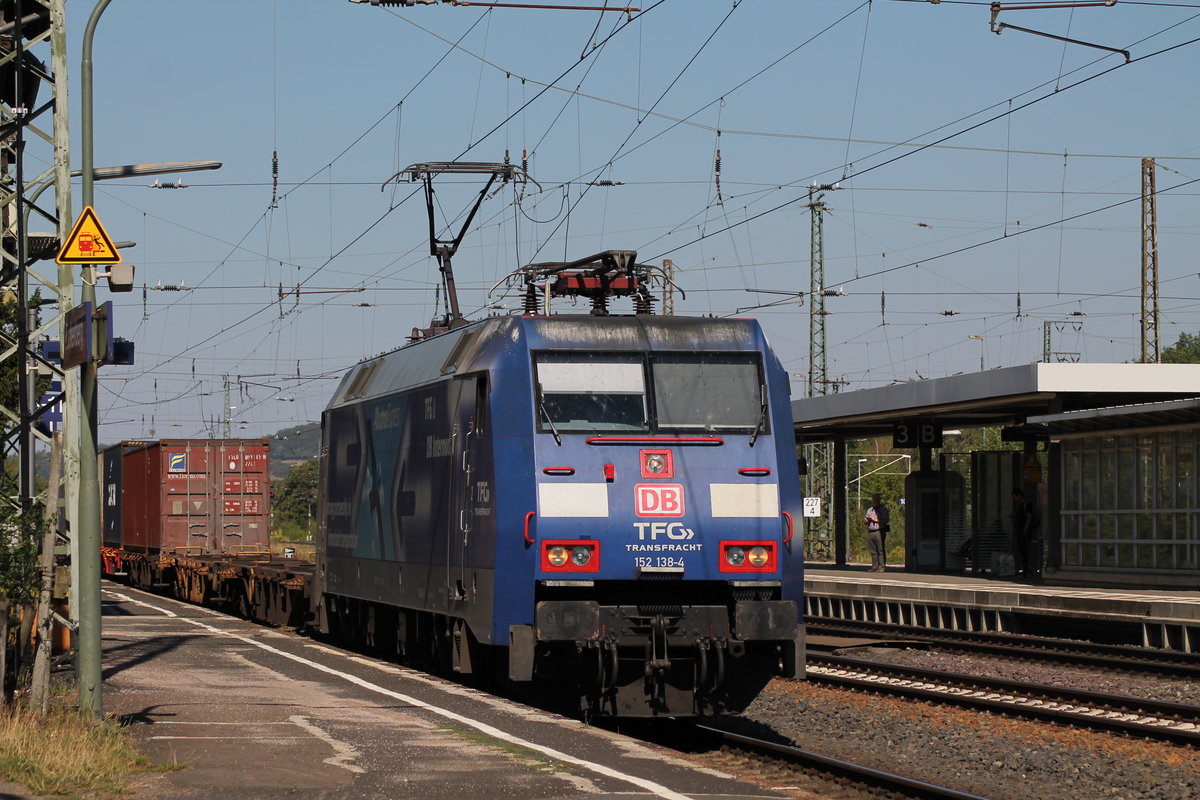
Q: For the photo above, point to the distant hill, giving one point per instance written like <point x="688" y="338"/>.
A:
<point x="292" y="446"/>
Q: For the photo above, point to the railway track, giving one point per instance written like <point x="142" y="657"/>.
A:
<point x="1067" y="651"/>
<point x="854" y="779"/>
<point x="1173" y="722"/>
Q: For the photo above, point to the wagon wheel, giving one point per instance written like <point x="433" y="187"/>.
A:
<point x="242" y="601"/>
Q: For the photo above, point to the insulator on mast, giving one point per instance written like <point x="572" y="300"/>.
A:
<point x="274" y="178"/>
<point x="717" y="170"/>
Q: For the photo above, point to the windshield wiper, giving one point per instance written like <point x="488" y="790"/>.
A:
<point x="762" y="414"/>
<point x="550" y="422"/>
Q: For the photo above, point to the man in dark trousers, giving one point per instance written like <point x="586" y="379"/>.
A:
<point x="878" y="518"/>
<point x="1025" y="524"/>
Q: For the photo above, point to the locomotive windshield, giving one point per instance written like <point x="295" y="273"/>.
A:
<point x="707" y="391"/>
<point x="592" y="392"/>
<point x="597" y="392"/>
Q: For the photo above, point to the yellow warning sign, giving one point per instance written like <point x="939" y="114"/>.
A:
<point x="88" y="243"/>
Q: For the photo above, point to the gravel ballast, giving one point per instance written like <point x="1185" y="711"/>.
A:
<point x="987" y="754"/>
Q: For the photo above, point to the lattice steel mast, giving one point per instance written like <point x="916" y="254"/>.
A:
<point x="27" y="122"/>
<point x="819" y="480"/>
<point x="33" y="121"/>
<point x="1150" y="340"/>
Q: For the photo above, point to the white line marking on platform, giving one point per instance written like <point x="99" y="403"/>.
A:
<point x="240" y="738"/>
<point x="344" y="752"/>
<point x="126" y="598"/>
<point x="209" y="722"/>
<point x="508" y="707"/>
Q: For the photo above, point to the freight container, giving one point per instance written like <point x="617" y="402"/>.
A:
<point x="209" y="495"/>
<point x="111" y="459"/>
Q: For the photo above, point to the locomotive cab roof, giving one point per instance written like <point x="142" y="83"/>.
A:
<point x="485" y="344"/>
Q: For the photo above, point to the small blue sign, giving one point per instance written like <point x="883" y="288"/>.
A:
<point x="50" y="405"/>
<point x="177" y="462"/>
<point x="51" y="351"/>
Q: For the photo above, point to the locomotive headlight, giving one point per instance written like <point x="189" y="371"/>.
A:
<point x="657" y="464"/>
<point x="748" y="556"/>
<point x="571" y="555"/>
<point x="557" y="555"/>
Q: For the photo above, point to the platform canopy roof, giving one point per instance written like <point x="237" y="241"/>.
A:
<point x="1007" y="396"/>
<point x="1118" y="419"/>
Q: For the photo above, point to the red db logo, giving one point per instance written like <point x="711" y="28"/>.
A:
<point x="658" y="500"/>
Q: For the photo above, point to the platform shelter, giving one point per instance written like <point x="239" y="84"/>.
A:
<point x="1108" y="455"/>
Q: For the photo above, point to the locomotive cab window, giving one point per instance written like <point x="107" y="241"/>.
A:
<point x="582" y="392"/>
<point x="709" y="392"/>
<point x="695" y="391"/>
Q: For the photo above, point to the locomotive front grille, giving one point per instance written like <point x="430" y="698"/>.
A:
<point x="755" y="593"/>
<point x="660" y="575"/>
<point x="666" y="611"/>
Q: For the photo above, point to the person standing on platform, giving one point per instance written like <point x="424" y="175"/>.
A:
<point x="1025" y="524"/>
<point x="878" y="521"/>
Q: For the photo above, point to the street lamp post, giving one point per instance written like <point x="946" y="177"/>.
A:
<point x="87" y="537"/>
<point x="894" y="458"/>
<point x="980" y="338"/>
<point x="858" y="487"/>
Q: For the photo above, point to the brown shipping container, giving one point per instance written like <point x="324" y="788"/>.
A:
<point x="212" y="494"/>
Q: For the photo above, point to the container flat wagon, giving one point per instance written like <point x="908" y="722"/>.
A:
<point x="183" y="497"/>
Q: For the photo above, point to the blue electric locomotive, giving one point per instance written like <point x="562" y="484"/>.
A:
<point x="604" y="503"/>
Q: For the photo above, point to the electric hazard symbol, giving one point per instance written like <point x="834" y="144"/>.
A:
<point x="88" y="243"/>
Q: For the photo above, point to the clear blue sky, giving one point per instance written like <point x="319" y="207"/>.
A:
<point x="831" y="91"/>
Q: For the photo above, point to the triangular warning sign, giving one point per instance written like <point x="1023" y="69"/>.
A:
<point x="88" y="243"/>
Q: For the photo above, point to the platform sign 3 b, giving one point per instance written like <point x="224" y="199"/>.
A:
<point x="917" y="433"/>
<point x="88" y="243"/>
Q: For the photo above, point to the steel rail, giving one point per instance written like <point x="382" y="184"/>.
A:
<point x="1075" y="651"/>
<point x="1162" y="720"/>
<point x="858" y="772"/>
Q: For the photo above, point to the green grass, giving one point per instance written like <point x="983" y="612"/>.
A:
<point x="65" y="754"/>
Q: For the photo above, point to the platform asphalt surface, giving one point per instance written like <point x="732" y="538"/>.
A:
<point x="252" y="712"/>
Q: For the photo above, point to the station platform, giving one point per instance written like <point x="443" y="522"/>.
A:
<point x="1168" y="619"/>
<point x="238" y="710"/>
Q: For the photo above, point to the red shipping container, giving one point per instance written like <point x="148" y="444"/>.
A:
<point x="211" y="494"/>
